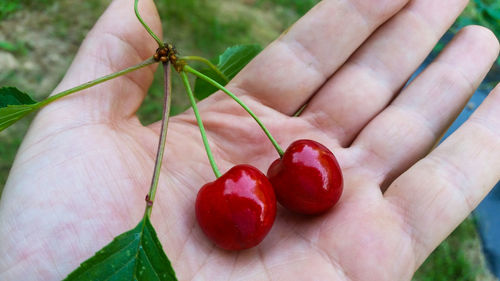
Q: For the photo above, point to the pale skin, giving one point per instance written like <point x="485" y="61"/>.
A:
<point x="84" y="168"/>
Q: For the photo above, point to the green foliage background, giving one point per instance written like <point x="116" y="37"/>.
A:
<point x="38" y="40"/>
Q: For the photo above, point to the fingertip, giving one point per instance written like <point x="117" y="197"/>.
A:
<point x="473" y="49"/>
<point x="480" y="40"/>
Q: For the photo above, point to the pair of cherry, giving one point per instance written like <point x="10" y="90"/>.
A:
<point x="237" y="210"/>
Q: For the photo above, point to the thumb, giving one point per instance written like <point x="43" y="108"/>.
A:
<point x="117" y="41"/>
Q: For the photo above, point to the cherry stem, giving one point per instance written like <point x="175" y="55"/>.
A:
<point x="160" y="43"/>
<point x="301" y="109"/>
<point x="240" y="102"/>
<point x="208" y="63"/>
<point x="94" y="82"/>
<point x="163" y="137"/>
<point x="200" y="124"/>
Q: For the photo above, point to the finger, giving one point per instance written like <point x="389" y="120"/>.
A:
<point x="406" y="130"/>
<point x="380" y="68"/>
<point x="438" y="192"/>
<point x="117" y="41"/>
<point x="293" y="67"/>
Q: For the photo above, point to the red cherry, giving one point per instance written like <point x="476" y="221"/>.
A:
<point x="237" y="210"/>
<point x="307" y="179"/>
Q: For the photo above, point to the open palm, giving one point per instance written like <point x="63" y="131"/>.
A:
<point x="83" y="170"/>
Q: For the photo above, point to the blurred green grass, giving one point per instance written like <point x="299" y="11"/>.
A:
<point x="38" y="40"/>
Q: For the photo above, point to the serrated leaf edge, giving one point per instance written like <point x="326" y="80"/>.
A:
<point x="139" y="235"/>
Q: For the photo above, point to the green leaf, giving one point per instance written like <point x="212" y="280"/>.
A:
<point x="7" y="46"/>
<point x="491" y="7"/>
<point x="14" y="105"/>
<point x="493" y="12"/>
<point x="134" y="255"/>
<point x="12" y="96"/>
<point x="12" y="113"/>
<point x="8" y="7"/>
<point x="229" y="63"/>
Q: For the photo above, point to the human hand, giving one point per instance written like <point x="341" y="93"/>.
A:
<point x="83" y="170"/>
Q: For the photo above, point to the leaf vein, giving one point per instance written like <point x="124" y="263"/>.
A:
<point x="108" y="257"/>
